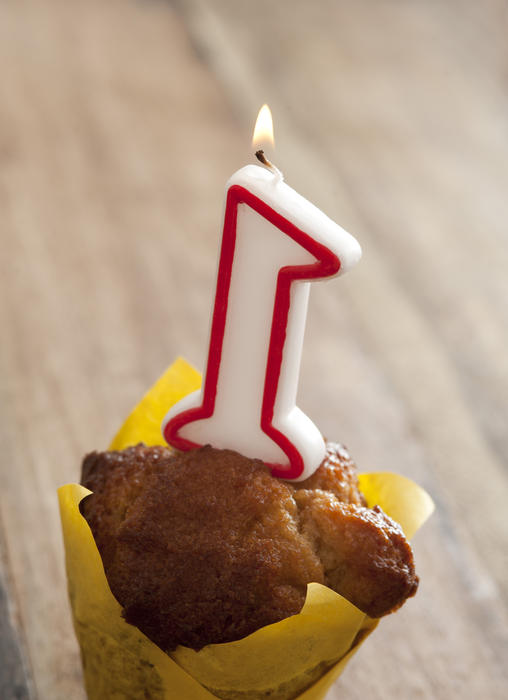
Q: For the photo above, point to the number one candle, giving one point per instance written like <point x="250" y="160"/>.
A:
<point x="274" y="243"/>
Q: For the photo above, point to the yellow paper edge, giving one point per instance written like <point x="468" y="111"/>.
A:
<point x="399" y="497"/>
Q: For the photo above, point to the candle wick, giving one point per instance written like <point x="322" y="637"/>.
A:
<point x="260" y="155"/>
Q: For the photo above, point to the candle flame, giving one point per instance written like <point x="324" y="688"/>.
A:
<point x="263" y="131"/>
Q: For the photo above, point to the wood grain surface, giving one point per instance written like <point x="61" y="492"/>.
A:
<point x="120" y="122"/>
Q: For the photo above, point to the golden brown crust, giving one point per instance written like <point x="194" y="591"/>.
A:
<point x="206" y="546"/>
<point x="208" y="550"/>
<point x="364" y="553"/>
<point x="336" y="474"/>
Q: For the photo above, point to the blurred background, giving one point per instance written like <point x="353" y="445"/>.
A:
<point x="120" y="122"/>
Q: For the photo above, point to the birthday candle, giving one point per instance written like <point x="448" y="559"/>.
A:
<point x="274" y="243"/>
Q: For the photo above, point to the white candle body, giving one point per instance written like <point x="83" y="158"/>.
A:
<point x="261" y="250"/>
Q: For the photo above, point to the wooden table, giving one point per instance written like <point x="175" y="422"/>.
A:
<point x="120" y="122"/>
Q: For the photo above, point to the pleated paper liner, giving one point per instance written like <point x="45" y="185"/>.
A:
<point x="299" y="657"/>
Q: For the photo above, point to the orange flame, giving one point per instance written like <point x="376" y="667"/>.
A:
<point x="263" y="131"/>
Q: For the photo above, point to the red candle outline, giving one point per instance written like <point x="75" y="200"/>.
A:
<point x="327" y="265"/>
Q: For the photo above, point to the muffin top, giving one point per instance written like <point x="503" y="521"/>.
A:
<point x="206" y="546"/>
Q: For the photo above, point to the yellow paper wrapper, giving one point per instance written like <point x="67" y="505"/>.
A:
<point x="299" y="657"/>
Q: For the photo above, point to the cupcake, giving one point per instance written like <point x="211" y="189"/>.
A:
<point x="199" y="574"/>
